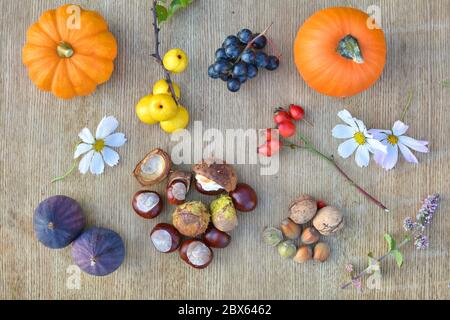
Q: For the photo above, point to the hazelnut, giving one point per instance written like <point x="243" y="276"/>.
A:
<point x="328" y="220"/>
<point x="191" y="219"/>
<point x="196" y="253"/>
<point x="321" y="252"/>
<point x="153" y="169"/>
<point x="244" y="198"/>
<point x="290" y="229"/>
<point x="147" y="204"/>
<point x="223" y="214"/>
<point x="303" y="254"/>
<point x="310" y="236"/>
<point x="214" y="177"/>
<point x="303" y="209"/>
<point x="272" y="236"/>
<point x="215" y="238"/>
<point x="178" y="186"/>
<point x="287" y="249"/>
<point x="165" y="238"/>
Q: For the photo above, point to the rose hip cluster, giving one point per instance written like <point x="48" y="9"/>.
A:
<point x="285" y="123"/>
<point x="195" y="228"/>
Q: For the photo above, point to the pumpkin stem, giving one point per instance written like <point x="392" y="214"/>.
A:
<point x="64" y="50"/>
<point x="349" y="48"/>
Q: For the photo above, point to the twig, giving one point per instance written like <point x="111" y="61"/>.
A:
<point x="157" y="54"/>
<point x="249" y="45"/>
<point x="331" y="160"/>
<point x="408" y="105"/>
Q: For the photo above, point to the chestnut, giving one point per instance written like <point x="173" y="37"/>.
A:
<point x="177" y="187"/>
<point x="196" y="253"/>
<point x="153" y="169"/>
<point x="214" y="177"/>
<point x="215" y="238"/>
<point x="147" y="204"/>
<point x="165" y="238"/>
<point x="244" y="198"/>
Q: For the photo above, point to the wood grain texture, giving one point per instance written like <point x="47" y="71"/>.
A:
<point x="38" y="133"/>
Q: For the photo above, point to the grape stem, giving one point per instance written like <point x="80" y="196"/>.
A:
<point x="248" y="46"/>
<point x="309" y="146"/>
<point x="157" y="54"/>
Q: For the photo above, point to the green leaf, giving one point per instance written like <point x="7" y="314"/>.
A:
<point x="398" y="257"/>
<point x="161" y="13"/>
<point x="392" y="245"/>
<point x="374" y="264"/>
<point x="176" y="5"/>
<point x="446" y="84"/>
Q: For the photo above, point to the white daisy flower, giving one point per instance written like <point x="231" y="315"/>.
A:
<point x="394" y="140"/>
<point x="97" y="151"/>
<point x="359" y="140"/>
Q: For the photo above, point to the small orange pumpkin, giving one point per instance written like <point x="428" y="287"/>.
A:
<point x="340" y="51"/>
<point x="69" y="51"/>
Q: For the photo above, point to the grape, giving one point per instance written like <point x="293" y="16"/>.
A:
<point x="240" y="69"/>
<point x="225" y="77"/>
<point x="212" y="73"/>
<point x="262" y="60"/>
<point x="222" y="66"/>
<point x="220" y="54"/>
<point x="233" y="85"/>
<point x="245" y="36"/>
<point x="252" y="71"/>
<point x="261" y="42"/>
<point x="231" y="40"/>
<point x="248" y="56"/>
<point x="242" y="79"/>
<point x="233" y="51"/>
<point x="273" y="64"/>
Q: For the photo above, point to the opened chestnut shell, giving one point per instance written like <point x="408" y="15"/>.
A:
<point x="196" y="253"/>
<point x="215" y="238"/>
<point x="147" y="204"/>
<point x="214" y="177"/>
<point x="153" y="169"/>
<point x="178" y="186"/>
<point x="244" y="198"/>
<point x="165" y="238"/>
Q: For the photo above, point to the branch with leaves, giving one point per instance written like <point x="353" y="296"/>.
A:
<point x="415" y="232"/>
<point x="162" y="11"/>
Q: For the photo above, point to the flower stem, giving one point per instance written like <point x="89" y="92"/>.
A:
<point x="331" y="160"/>
<point x="157" y="54"/>
<point x="408" y="105"/>
<point x="65" y="175"/>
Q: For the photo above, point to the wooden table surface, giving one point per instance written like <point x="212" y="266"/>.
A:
<point x="38" y="132"/>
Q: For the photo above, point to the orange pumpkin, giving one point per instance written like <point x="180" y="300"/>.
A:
<point x="340" y="51"/>
<point x="69" y="51"/>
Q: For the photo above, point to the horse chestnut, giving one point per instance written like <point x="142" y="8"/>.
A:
<point x="57" y="221"/>
<point x="98" y="251"/>
<point x="244" y="198"/>
<point x="196" y="253"/>
<point x="165" y="238"/>
<point x="215" y="238"/>
<point x="147" y="204"/>
<point x="178" y="187"/>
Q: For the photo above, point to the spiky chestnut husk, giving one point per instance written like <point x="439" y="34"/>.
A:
<point x="223" y="214"/>
<point x="57" y="221"/>
<point x="191" y="219"/>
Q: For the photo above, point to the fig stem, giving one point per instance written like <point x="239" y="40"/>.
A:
<point x="309" y="146"/>
<point x="157" y="54"/>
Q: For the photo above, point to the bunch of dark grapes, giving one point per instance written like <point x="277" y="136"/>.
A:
<point x="240" y="58"/>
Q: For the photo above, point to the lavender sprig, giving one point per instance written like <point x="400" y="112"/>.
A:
<point x="415" y="232"/>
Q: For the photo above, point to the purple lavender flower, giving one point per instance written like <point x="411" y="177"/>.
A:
<point x="349" y="268"/>
<point x="429" y="207"/>
<point x="421" y="242"/>
<point x="409" y="224"/>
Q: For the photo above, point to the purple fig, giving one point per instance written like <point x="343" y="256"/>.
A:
<point x="57" y="221"/>
<point x="98" y="251"/>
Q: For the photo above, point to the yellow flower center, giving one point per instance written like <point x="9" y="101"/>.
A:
<point x="99" y="145"/>
<point x="360" y="138"/>
<point x="392" y="139"/>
